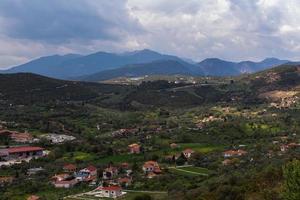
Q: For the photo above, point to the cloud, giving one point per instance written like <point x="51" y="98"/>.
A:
<point x="62" y="21"/>
<point x="235" y="30"/>
<point x="229" y="29"/>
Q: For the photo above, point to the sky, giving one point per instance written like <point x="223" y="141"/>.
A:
<point x="229" y="29"/>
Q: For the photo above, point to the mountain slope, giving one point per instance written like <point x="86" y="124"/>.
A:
<point x="218" y="67"/>
<point x="44" y="65"/>
<point x="65" y="67"/>
<point x="169" y="67"/>
<point x="26" y="88"/>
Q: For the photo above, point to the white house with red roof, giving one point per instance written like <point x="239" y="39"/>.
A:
<point x="151" y="168"/>
<point x="188" y="153"/>
<point x="134" y="148"/>
<point x="109" y="192"/>
<point x="69" y="168"/>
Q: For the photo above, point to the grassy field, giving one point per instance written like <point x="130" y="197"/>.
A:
<point x="82" y="156"/>
<point x="190" y="171"/>
<point x="198" y="147"/>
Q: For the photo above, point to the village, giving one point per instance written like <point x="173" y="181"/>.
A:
<point x="117" y="179"/>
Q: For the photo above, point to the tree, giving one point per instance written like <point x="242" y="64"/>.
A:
<point x="291" y="173"/>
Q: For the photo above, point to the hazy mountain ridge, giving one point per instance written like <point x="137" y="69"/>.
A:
<point x="65" y="67"/>
<point x="71" y="66"/>
<point x="218" y="67"/>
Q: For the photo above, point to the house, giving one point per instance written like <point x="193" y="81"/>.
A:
<point x="21" y="137"/>
<point x="33" y="197"/>
<point x="285" y="147"/>
<point x="124" y="132"/>
<point x="188" y="153"/>
<point x="69" y="168"/>
<point x="5" y="180"/>
<point x="227" y="162"/>
<point x="124" y="165"/>
<point x="110" y="172"/>
<point x="125" y="181"/>
<point x="60" y="177"/>
<point x="234" y="153"/>
<point x="173" y="146"/>
<point x="110" y="191"/>
<point x="57" y="138"/>
<point x="87" y="174"/>
<point x="21" y="152"/>
<point x="134" y="148"/>
<point x="33" y="171"/>
<point x="151" y="167"/>
<point x="65" y="183"/>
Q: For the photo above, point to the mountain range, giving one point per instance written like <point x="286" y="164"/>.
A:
<point x="102" y="66"/>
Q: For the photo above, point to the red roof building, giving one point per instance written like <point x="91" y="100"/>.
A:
<point x="232" y="153"/>
<point x="21" y="152"/>
<point x="70" y="168"/>
<point x="188" y="152"/>
<point x="110" y="172"/>
<point x="150" y="167"/>
<point x="33" y="197"/>
<point x="110" y="191"/>
<point x="21" y="137"/>
<point x="134" y="148"/>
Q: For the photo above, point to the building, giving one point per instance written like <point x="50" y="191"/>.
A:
<point x="134" y="148"/>
<point x="21" y="137"/>
<point x="110" y="191"/>
<point x="58" y="138"/>
<point x="285" y="147"/>
<point x="65" y="183"/>
<point x="110" y="172"/>
<point x="188" y="153"/>
<point x="17" y="137"/>
<point x="33" y="197"/>
<point x="60" y="177"/>
<point x="6" y="180"/>
<point x="22" y="152"/>
<point x="87" y="174"/>
<point x="33" y="171"/>
<point x="69" y="168"/>
<point x="234" y="153"/>
<point x="125" y="181"/>
<point x="173" y="146"/>
<point x="151" y="168"/>
<point x="227" y="162"/>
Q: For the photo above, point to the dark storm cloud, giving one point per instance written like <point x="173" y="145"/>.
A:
<point x="64" y="20"/>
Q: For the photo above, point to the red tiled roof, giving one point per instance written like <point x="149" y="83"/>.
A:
<point x="110" y="188"/>
<point x="91" y="168"/>
<point x="124" y="180"/>
<point x="33" y="197"/>
<point x="70" y="167"/>
<point x="73" y="181"/>
<point x="188" y="151"/>
<point x="134" y="145"/>
<point x="235" y="152"/>
<point x="23" y="149"/>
